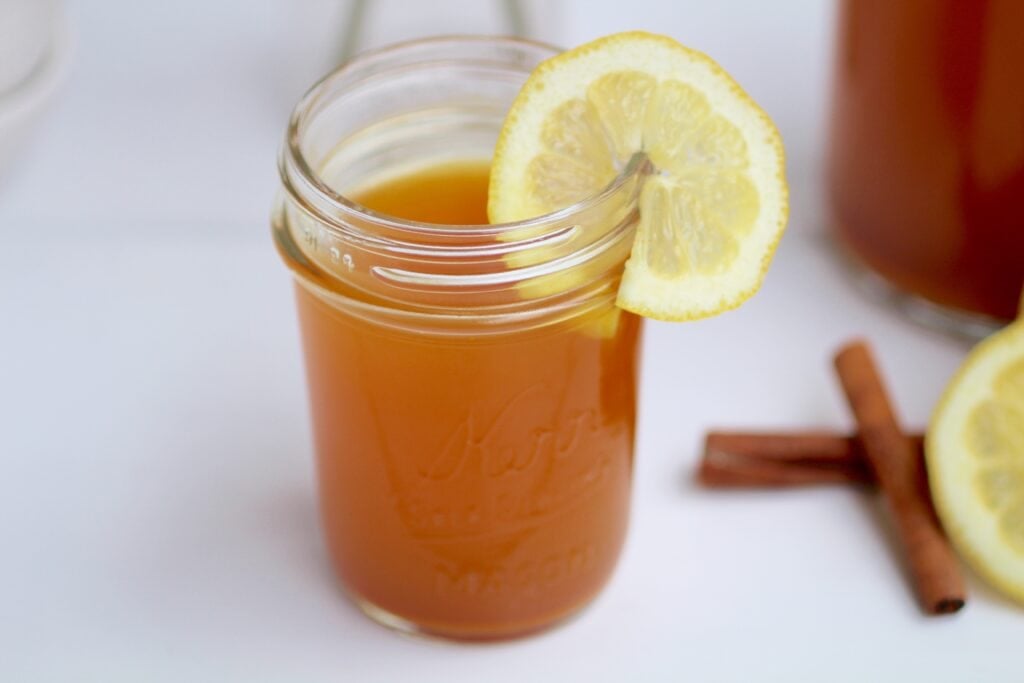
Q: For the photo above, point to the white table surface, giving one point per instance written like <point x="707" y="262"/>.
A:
<point x="157" y="517"/>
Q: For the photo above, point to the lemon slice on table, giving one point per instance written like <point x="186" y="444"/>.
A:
<point x="715" y="204"/>
<point x="975" y="454"/>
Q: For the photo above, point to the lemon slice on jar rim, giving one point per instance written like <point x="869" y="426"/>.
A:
<point x="716" y="203"/>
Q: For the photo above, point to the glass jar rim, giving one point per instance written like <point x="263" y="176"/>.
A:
<point x="473" y="280"/>
<point x="294" y="166"/>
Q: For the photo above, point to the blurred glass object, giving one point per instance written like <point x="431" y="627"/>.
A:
<point x="926" y="162"/>
<point x="316" y="35"/>
<point x="372" y="23"/>
<point x="34" y="54"/>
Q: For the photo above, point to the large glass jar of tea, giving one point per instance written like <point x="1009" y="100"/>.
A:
<point x="926" y="162"/>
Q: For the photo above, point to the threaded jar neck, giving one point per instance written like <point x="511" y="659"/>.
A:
<point x="413" y="105"/>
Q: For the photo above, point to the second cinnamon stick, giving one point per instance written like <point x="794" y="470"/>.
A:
<point x="901" y="476"/>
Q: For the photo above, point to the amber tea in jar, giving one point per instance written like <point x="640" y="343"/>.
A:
<point x="473" y="386"/>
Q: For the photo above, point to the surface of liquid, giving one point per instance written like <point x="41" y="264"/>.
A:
<point x="927" y="160"/>
<point x="469" y="487"/>
<point x="450" y="193"/>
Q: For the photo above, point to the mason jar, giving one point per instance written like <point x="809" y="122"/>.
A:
<point x="473" y="387"/>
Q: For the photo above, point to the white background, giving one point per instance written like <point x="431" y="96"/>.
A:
<point x="156" y="499"/>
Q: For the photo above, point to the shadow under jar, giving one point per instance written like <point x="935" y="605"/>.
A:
<point x="473" y="387"/>
<point x="926" y="166"/>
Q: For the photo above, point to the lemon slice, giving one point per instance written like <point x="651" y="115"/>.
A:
<point x="975" y="452"/>
<point x="715" y="204"/>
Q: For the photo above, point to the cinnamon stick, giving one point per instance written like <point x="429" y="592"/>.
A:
<point x="901" y="477"/>
<point x="786" y="459"/>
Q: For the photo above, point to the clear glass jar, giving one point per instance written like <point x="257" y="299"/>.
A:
<point x="473" y="387"/>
